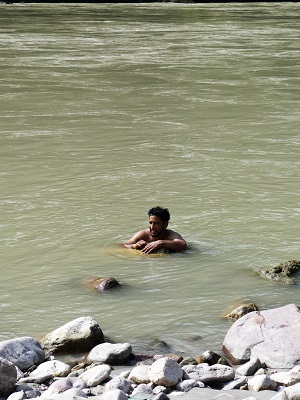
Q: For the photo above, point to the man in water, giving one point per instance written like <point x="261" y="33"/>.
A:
<point x="157" y="236"/>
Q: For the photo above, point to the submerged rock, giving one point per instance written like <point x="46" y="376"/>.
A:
<point x="241" y="311"/>
<point x="100" y="283"/>
<point x="282" y="272"/>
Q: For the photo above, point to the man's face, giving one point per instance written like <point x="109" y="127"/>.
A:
<point x="156" y="226"/>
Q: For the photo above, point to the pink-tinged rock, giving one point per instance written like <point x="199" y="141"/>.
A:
<point x="271" y="335"/>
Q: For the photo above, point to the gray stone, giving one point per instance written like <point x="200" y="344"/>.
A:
<point x="8" y="377"/>
<point x="79" y="335"/>
<point x="210" y="374"/>
<point x="119" y="383"/>
<point x="24" y="352"/>
<point x="109" y="353"/>
<point x="165" y="372"/>
<point x="142" y="389"/>
<point x="66" y="383"/>
<point x="188" y="384"/>
<point x="272" y="335"/>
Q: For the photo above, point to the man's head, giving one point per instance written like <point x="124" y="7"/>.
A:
<point x="162" y="213"/>
<point x="158" y="221"/>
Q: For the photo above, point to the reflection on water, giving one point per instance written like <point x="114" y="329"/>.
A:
<point x="108" y="110"/>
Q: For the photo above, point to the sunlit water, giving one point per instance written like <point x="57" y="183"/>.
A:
<point x="109" y="109"/>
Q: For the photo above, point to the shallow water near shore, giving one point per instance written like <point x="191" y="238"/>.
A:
<point x="109" y="109"/>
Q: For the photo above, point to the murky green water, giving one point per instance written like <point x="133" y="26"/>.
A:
<point x="109" y="109"/>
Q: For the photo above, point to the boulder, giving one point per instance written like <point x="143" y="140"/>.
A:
<point x="79" y="335"/>
<point x="8" y="377"/>
<point x="166" y="372"/>
<point x="113" y="354"/>
<point x="24" y="352"/>
<point x="272" y="335"/>
<point x="283" y="272"/>
<point x="210" y="374"/>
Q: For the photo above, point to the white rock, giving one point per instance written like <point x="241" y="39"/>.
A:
<point x="96" y="375"/>
<point x="53" y="367"/>
<point x="140" y="374"/>
<point x="115" y="394"/>
<point x="166" y="372"/>
<point x="289" y="393"/>
<point x="236" y="383"/>
<point x="261" y="382"/>
<point x="250" y="367"/>
<point x="187" y="385"/>
<point x="287" y="378"/>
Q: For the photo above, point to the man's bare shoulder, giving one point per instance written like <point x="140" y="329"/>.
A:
<point x="140" y="235"/>
<point x="172" y="235"/>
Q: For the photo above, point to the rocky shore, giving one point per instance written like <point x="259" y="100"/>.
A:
<point x="261" y="360"/>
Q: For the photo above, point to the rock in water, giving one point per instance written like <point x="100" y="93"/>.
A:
<point x="241" y="311"/>
<point x="100" y="283"/>
<point x="282" y="272"/>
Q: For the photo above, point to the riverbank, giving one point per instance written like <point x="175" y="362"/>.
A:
<point x="112" y="371"/>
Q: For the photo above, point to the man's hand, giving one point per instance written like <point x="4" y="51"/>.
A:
<point x="139" y="245"/>
<point x="152" y="246"/>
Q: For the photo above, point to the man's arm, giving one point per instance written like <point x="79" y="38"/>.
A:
<point x="137" y="241"/>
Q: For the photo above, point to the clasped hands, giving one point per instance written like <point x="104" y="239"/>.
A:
<point x="145" y="247"/>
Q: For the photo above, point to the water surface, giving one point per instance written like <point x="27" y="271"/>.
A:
<point x="109" y="109"/>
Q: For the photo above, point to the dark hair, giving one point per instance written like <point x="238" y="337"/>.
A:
<point x="162" y="213"/>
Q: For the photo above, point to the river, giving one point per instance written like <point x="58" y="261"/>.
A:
<point x="110" y="109"/>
